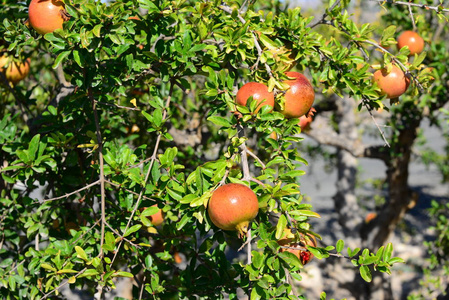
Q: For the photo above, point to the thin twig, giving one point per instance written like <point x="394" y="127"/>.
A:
<point x="411" y="16"/>
<point x="102" y="178"/>
<point x="142" y="286"/>
<point x="117" y="233"/>
<point x="118" y="106"/>
<point x="129" y="191"/>
<point x="324" y="16"/>
<point x="61" y="285"/>
<point x="382" y="133"/>
<point x="72" y="193"/>
<point x="256" y="158"/>
<point x="435" y="8"/>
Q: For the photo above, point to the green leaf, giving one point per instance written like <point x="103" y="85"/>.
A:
<point x="132" y="229"/>
<point x="220" y="121"/>
<point x="97" y="30"/>
<point x="388" y="252"/>
<point x="282" y="223"/>
<point x="48" y="267"/>
<point x="32" y="148"/>
<point x="340" y="245"/>
<point x="109" y="241"/>
<point x="395" y="260"/>
<point x="60" y="58"/>
<point x="365" y="272"/>
<point x="23" y="156"/>
<point x="157" y="117"/>
<point x="89" y="272"/>
<point x="65" y="271"/>
<point x="123" y="274"/>
<point x="80" y="253"/>
<point x="307" y="213"/>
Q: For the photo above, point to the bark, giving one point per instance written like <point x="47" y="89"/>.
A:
<point x="400" y="196"/>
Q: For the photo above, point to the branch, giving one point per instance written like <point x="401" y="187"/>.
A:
<point x="324" y="134"/>
<point x="72" y="193"/>
<point x="147" y="175"/>
<point x="435" y="8"/>
<point x="101" y="161"/>
<point x="324" y="16"/>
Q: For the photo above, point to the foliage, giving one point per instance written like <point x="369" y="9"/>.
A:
<point x="121" y="113"/>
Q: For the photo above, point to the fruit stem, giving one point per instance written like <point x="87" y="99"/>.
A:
<point x="242" y="229"/>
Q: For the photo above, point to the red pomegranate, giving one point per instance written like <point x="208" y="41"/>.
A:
<point x="393" y="83"/>
<point x="411" y="39"/>
<point x="258" y="91"/>
<point x="299" y="97"/>
<point x="232" y="206"/>
<point x="46" y="15"/>
<point x="306" y="120"/>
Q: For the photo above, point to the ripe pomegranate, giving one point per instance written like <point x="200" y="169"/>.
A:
<point x="232" y="206"/>
<point x="258" y="91"/>
<point x="393" y="83"/>
<point x="299" y="241"/>
<point x="47" y="15"/>
<point x="157" y="218"/>
<point x="304" y="121"/>
<point x="14" y="71"/>
<point x="411" y="39"/>
<point x="299" y="97"/>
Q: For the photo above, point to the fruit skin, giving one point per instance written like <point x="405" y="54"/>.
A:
<point x="232" y="206"/>
<point x="258" y="91"/>
<point x="413" y="40"/>
<point x="291" y="240"/>
<point x="392" y="84"/>
<point x="46" y="15"/>
<point x="157" y="218"/>
<point x="15" y="71"/>
<point x="306" y="120"/>
<point x="299" y="97"/>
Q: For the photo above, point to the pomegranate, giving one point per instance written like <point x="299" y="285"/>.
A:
<point x="157" y="218"/>
<point x="304" y="121"/>
<point x="299" y="97"/>
<point x="393" y="83"/>
<point x="47" y="15"/>
<point x="232" y="206"/>
<point x="14" y="71"/>
<point x="411" y="39"/>
<point x="258" y="91"/>
<point x="299" y="241"/>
